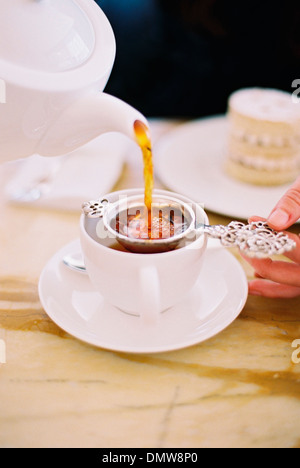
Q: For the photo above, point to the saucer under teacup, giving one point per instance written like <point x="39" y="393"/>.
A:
<point x="215" y="301"/>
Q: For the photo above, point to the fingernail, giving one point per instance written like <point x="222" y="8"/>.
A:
<point x="279" y="219"/>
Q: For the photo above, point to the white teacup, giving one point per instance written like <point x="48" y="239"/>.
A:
<point x="141" y="284"/>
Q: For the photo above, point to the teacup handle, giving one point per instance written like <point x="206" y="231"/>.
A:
<point x="150" y="290"/>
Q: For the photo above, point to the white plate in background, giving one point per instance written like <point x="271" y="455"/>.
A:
<point x="189" y="160"/>
<point x="65" y="182"/>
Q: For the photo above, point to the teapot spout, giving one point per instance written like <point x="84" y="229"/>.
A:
<point x="86" y="119"/>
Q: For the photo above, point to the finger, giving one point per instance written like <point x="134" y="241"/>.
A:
<point x="272" y="290"/>
<point x="279" y="272"/>
<point x="287" y="210"/>
<point x="258" y="276"/>
<point x="294" y="255"/>
<point x="255" y="219"/>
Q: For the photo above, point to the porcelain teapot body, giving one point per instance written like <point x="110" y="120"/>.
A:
<point x="52" y="78"/>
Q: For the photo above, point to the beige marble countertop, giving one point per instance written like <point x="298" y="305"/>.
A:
<point x="239" y="389"/>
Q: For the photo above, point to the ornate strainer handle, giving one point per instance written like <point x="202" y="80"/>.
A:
<point x="255" y="239"/>
<point x="95" y="208"/>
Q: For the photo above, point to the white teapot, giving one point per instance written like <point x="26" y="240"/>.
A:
<point x="55" y="59"/>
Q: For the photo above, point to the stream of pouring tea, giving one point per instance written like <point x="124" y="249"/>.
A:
<point x="144" y="141"/>
<point x="158" y="224"/>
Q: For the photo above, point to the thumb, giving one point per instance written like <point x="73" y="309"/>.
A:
<point x="287" y="210"/>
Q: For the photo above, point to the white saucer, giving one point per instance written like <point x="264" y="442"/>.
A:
<point x="189" y="160"/>
<point x="64" y="182"/>
<point x="71" y="302"/>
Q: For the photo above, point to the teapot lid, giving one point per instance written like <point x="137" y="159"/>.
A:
<point x="45" y="35"/>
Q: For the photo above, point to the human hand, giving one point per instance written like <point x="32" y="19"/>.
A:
<point x="279" y="279"/>
<point x="287" y="211"/>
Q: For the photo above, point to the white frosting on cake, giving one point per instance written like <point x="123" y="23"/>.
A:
<point x="263" y="164"/>
<point x="265" y="104"/>
<point x="265" y="140"/>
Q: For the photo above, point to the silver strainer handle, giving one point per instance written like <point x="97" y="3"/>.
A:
<point x="95" y="208"/>
<point x="256" y="239"/>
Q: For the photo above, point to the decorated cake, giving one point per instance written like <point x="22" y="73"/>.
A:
<point x="264" y="137"/>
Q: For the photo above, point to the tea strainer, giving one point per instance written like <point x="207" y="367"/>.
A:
<point x="256" y="239"/>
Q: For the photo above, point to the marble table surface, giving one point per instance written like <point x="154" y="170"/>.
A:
<point x="239" y="389"/>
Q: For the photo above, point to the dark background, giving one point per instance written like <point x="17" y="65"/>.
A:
<point x="183" y="58"/>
